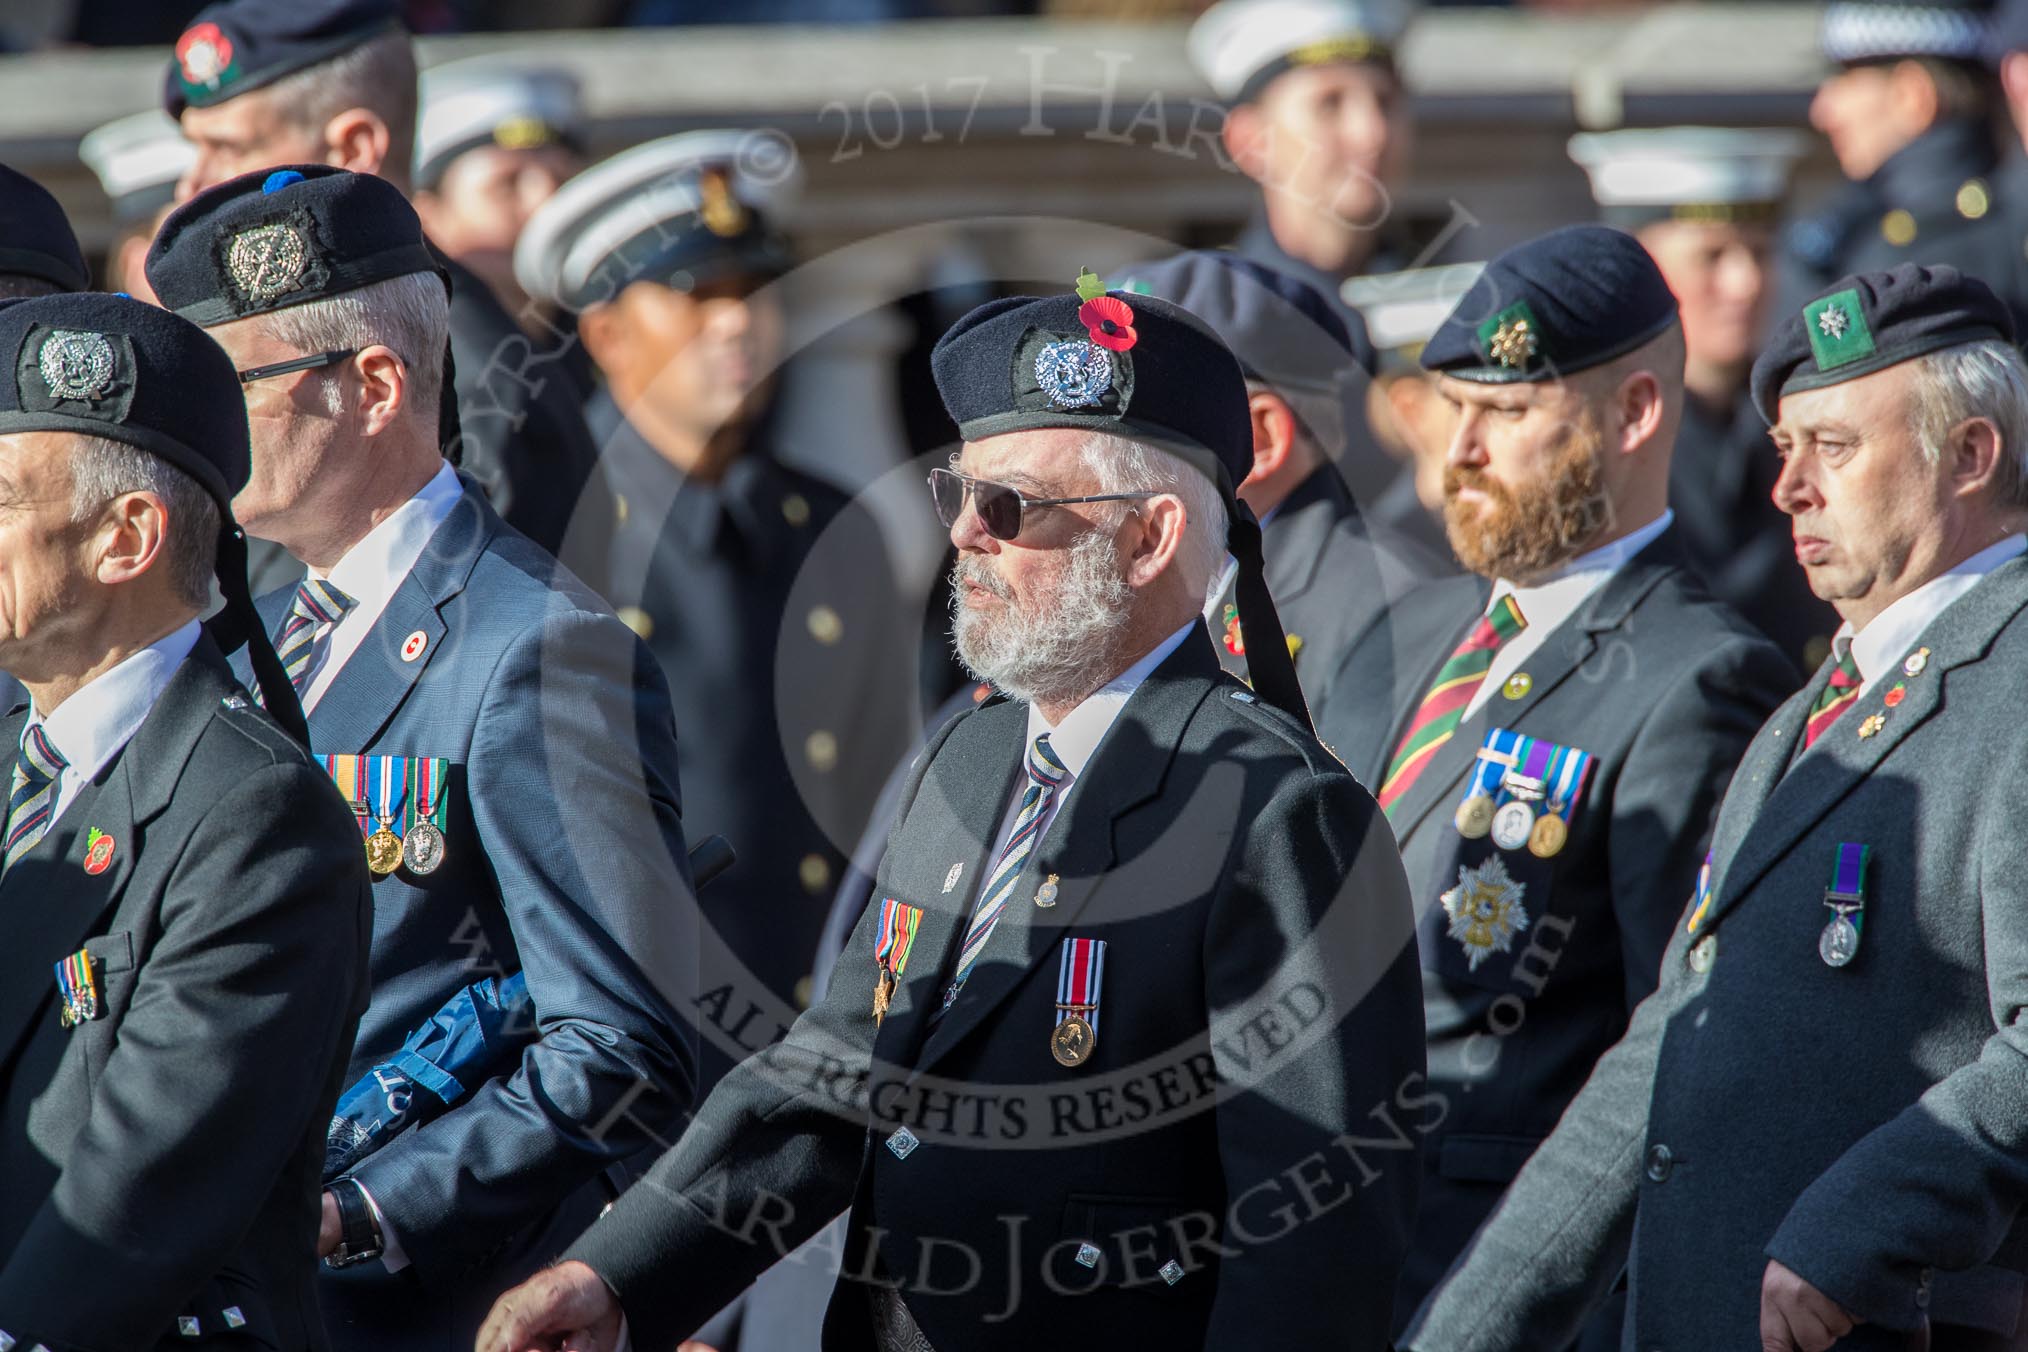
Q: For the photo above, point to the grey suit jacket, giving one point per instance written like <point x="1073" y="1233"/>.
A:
<point x="162" y="1160"/>
<point x="1867" y="1125"/>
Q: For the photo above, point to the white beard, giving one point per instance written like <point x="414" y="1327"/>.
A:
<point x="1055" y="648"/>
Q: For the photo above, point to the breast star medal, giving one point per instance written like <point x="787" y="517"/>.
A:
<point x="1485" y="910"/>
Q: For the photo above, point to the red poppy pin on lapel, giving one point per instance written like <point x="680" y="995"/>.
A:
<point x="98" y="851"/>
<point x="412" y="646"/>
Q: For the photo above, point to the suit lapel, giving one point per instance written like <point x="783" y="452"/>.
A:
<point x="377" y="677"/>
<point x="1565" y="649"/>
<point x="1841" y="760"/>
<point x="1081" y="845"/>
<point x="1465" y="600"/>
<point x="49" y="904"/>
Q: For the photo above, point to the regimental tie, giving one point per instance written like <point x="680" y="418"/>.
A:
<point x="1841" y="692"/>
<point x="1045" y="775"/>
<point x="31" y="806"/>
<point x="1443" y="708"/>
<point x="317" y="604"/>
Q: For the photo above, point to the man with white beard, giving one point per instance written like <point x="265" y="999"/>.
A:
<point x="1128" y="1045"/>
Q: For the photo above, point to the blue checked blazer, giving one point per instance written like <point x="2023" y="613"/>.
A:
<point x="564" y="860"/>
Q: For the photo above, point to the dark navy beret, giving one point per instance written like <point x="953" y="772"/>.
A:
<point x="1572" y="299"/>
<point x="1867" y="323"/>
<point x="239" y="45"/>
<point x="1281" y="330"/>
<point x="35" y="235"/>
<point x="1133" y="365"/>
<point x="281" y="237"/>
<point x="109" y="366"/>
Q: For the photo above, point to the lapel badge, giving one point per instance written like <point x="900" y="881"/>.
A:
<point x="1518" y="685"/>
<point x="903" y="1143"/>
<point x="1295" y="642"/>
<point x="412" y="646"/>
<point x="951" y="878"/>
<point x="1873" y="724"/>
<point x="1896" y="695"/>
<point x="1045" y="895"/>
<point x="1917" y="660"/>
<point x="98" y="851"/>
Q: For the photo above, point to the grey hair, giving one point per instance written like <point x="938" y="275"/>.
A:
<point x="1976" y="380"/>
<point x="1123" y="465"/>
<point x="410" y="314"/>
<point x="378" y="76"/>
<point x="102" y="470"/>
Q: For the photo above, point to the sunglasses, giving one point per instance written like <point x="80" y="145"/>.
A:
<point x="283" y="368"/>
<point x="1000" y="506"/>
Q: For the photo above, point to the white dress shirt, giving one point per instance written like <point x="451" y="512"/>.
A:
<point x="90" y="727"/>
<point x="1879" y="648"/>
<point x="372" y="571"/>
<point x="1076" y="739"/>
<point x="1545" y="605"/>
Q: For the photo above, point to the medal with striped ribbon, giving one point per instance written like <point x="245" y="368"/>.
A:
<point x="1839" y="943"/>
<point x="892" y="943"/>
<point x="1080" y="973"/>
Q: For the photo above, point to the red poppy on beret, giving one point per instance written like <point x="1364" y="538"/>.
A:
<point x="1110" y="322"/>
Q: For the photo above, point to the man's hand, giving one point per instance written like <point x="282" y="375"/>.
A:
<point x="1795" y="1315"/>
<point x="567" y="1308"/>
<point x="329" y="1230"/>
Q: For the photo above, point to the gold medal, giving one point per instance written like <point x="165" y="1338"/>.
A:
<point x="1548" y="835"/>
<point x="383" y="851"/>
<point x="883" y="994"/>
<point x="1475" y="816"/>
<point x="1072" y="1042"/>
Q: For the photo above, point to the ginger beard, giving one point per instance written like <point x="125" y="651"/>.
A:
<point x="1053" y="645"/>
<point x="1525" y="530"/>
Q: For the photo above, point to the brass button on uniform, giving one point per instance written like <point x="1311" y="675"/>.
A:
<point x="1897" y="227"/>
<point x="1973" y="200"/>
<point x="638" y="620"/>
<point x="821" y="748"/>
<point x="815" y="872"/>
<point x="825" y="626"/>
<point x="796" y="510"/>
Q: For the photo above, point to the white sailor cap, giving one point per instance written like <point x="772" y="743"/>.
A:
<point x="485" y="101"/>
<point x="675" y="211"/>
<point x="1855" y="31"/>
<point x="1241" y="45"/>
<point x="1643" y="175"/>
<point x="1403" y="310"/>
<point x="138" y="160"/>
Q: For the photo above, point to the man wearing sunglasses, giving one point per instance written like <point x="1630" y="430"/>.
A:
<point x="1551" y="733"/>
<point x="1104" y="1059"/>
<point x="505" y="742"/>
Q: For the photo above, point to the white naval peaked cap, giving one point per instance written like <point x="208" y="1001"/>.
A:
<point x="489" y="100"/>
<point x="688" y="204"/>
<point x="138" y="161"/>
<point x="1241" y="45"/>
<point x="1403" y="310"/>
<point x="1688" y="173"/>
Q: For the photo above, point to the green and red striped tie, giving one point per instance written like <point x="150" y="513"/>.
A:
<point x="1443" y="708"/>
<point x="1840" y="693"/>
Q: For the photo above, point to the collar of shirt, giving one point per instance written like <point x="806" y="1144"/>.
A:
<point x="1545" y="605"/>
<point x="374" y="569"/>
<point x="1880" y="646"/>
<point x="92" y="725"/>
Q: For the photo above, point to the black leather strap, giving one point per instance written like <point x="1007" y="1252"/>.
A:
<point x="358" y="1236"/>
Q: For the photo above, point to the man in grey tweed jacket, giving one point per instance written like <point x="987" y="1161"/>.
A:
<point x="1816" y="1131"/>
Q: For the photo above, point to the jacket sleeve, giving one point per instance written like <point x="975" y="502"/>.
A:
<point x="241" y="1013"/>
<point x="1314" y="993"/>
<point x="572" y="780"/>
<point x="1550" y="1252"/>
<point x="1668" y="793"/>
<point x="1941" y="1184"/>
<point x="770" y="1158"/>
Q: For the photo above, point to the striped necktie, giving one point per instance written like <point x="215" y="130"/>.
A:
<point x="317" y="604"/>
<point x="1045" y="774"/>
<point x="1443" y="708"/>
<point x="1841" y="692"/>
<point x="31" y="807"/>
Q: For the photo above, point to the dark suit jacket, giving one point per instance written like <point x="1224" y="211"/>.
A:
<point x="1664" y="687"/>
<point x="1240" y="1116"/>
<point x="1332" y="577"/>
<point x="162" y="1160"/>
<point x="564" y="860"/>
<point x="1867" y="1126"/>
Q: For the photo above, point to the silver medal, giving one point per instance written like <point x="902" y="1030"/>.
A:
<point x="1839" y="943"/>
<point x="422" y="849"/>
<point x="1512" y="825"/>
